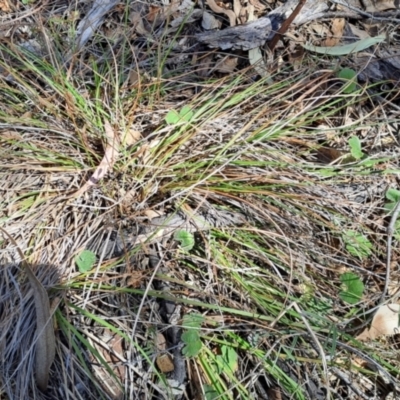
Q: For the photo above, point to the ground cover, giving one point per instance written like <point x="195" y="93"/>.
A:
<point x="207" y="223"/>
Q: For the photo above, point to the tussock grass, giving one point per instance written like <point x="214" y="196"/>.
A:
<point x="267" y="285"/>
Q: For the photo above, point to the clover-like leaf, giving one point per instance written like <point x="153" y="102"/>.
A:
<point x="185" y="238"/>
<point x="85" y="260"/>
<point x="185" y="114"/>
<point x="193" y="344"/>
<point x="355" y="148"/>
<point x="357" y="244"/>
<point x="352" y="288"/>
<point x="228" y="360"/>
<point x="349" y="75"/>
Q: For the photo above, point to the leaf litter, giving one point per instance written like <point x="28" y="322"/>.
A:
<point x="245" y="182"/>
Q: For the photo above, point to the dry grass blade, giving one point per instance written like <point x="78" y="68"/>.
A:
<point x="45" y="344"/>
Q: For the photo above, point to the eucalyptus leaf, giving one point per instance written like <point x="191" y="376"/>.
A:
<point x="347" y="48"/>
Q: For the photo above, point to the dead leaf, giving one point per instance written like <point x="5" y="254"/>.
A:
<point x="378" y="5"/>
<point x="258" y="5"/>
<point x="165" y="363"/>
<point x="137" y="23"/>
<point x="132" y="137"/>
<point x="227" y="65"/>
<point x="45" y="344"/>
<point x="133" y="78"/>
<point x="150" y="214"/>
<point x="210" y="22"/>
<point x="160" y="342"/>
<point x="110" y="156"/>
<point x="336" y="34"/>
<point x="384" y="323"/>
<point x="112" y="352"/>
<point x="359" y="32"/>
<point x="154" y="13"/>
<point x="144" y="152"/>
<point x="5" y="6"/>
<point x="256" y="59"/>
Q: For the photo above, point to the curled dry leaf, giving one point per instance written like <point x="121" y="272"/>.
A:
<point x="164" y="360"/>
<point x="227" y="65"/>
<point x="155" y="12"/>
<point x="132" y="137"/>
<point x="384" y="323"/>
<point x="334" y="37"/>
<point x="110" y="156"/>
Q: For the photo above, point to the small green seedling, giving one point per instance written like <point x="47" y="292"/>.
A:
<point x="355" y="148"/>
<point x="185" y="238"/>
<point x="357" y="244"/>
<point x="185" y="115"/>
<point x="352" y="288"/>
<point x="349" y="76"/>
<point x="85" y="260"/>
<point x="191" y="336"/>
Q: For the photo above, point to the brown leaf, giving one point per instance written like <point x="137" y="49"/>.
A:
<point x="132" y="137"/>
<point x="227" y="65"/>
<point x="113" y="353"/>
<point x="165" y="363"/>
<point x="154" y="12"/>
<point x="138" y="24"/>
<point x="5" y="6"/>
<point x="337" y="28"/>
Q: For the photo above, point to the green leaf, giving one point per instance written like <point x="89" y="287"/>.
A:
<point x="347" y="48"/>
<point x="393" y="195"/>
<point x="353" y="288"/>
<point x="357" y="244"/>
<point x="191" y="336"/>
<point x="350" y="76"/>
<point x="185" y="238"/>
<point x="227" y="361"/>
<point x="210" y="393"/>
<point x="191" y="339"/>
<point x="85" y="260"/>
<point x="186" y="113"/>
<point x="355" y="147"/>
<point x="173" y="116"/>
<point x="192" y="320"/>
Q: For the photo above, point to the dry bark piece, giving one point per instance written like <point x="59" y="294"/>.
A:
<point x="242" y="37"/>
